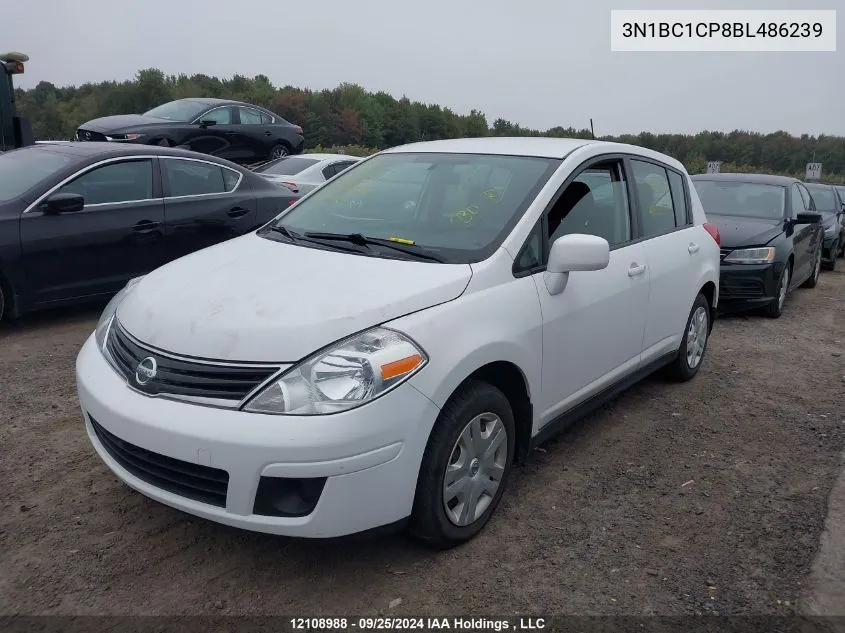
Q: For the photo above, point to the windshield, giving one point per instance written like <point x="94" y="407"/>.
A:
<point x="287" y="166"/>
<point x="459" y="206"/>
<point x="744" y="199"/>
<point x="178" y="110"/>
<point x="823" y="197"/>
<point x="22" y="169"/>
<point x="841" y="192"/>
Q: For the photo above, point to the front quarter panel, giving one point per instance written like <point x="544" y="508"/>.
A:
<point x="496" y="319"/>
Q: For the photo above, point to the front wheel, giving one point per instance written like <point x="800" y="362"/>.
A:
<point x="465" y="466"/>
<point x="817" y="267"/>
<point x="775" y="308"/>
<point x="834" y="254"/>
<point x="694" y="343"/>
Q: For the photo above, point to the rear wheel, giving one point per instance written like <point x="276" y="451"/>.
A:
<point x="165" y="143"/>
<point x="2" y="302"/>
<point x="817" y="267"/>
<point x="775" y="308"/>
<point x="279" y="150"/>
<point x="465" y="466"/>
<point x="694" y="344"/>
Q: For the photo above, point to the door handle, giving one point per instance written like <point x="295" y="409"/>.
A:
<point x="693" y="247"/>
<point x="636" y="269"/>
<point x="268" y="134"/>
<point x="237" y="212"/>
<point x="229" y="133"/>
<point x="145" y="226"/>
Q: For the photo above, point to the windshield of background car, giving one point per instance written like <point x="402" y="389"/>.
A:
<point x="22" y="169"/>
<point x="743" y="199"/>
<point x="823" y="196"/>
<point x="287" y="166"/>
<point x="460" y="206"/>
<point x="841" y="192"/>
<point x="177" y="110"/>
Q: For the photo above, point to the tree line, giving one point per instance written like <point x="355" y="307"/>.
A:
<point x="364" y="122"/>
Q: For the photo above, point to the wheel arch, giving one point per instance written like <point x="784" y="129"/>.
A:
<point x="709" y="292"/>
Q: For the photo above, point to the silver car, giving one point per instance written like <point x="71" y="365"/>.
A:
<point x="304" y="172"/>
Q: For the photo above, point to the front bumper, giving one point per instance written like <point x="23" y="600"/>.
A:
<point x="369" y="456"/>
<point x="748" y="286"/>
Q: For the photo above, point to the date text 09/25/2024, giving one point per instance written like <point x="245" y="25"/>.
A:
<point x="417" y="624"/>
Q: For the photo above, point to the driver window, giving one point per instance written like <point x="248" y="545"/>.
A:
<point x="798" y="203"/>
<point x="595" y="203"/>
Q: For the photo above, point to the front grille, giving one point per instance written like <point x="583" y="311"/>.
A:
<point x="182" y="377"/>
<point x="88" y="135"/>
<point x="200" y="483"/>
<point x="741" y="288"/>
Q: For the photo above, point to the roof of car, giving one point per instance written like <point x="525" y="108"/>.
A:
<point x="106" y="149"/>
<point x="542" y="146"/>
<point x="763" y="179"/>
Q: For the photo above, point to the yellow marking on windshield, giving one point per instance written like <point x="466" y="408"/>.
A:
<point x="401" y="240"/>
<point x="465" y="215"/>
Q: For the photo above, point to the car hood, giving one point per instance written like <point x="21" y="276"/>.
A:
<point x="120" y="122"/>
<point x="738" y="232"/>
<point x="255" y="299"/>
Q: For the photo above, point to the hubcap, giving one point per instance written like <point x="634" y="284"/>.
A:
<point x="696" y="337"/>
<point x="475" y="469"/>
<point x="279" y="151"/>
<point x="784" y="285"/>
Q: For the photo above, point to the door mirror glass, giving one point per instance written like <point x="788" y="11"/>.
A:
<point x="577" y="252"/>
<point x="63" y="203"/>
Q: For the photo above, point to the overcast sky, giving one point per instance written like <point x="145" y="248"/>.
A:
<point x="540" y="63"/>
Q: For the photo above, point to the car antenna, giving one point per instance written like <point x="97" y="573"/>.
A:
<point x="592" y="132"/>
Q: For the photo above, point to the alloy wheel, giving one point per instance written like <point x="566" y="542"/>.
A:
<point x="278" y="151"/>
<point x="475" y="469"/>
<point x="696" y="337"/>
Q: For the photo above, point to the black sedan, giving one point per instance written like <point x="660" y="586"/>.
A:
<point x="79" y="220"/>
<point x="236" y="131"/>
<point x="829" y="204"/>
<point x="771" y="238"/>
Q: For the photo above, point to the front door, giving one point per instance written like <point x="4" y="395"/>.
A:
<point x="802" y="238"/>
<point x="117" y="236"/>
<point x="222" y="139"/>
<point x="593" y="330"/>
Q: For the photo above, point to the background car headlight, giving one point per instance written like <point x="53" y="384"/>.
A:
<point x="124" y="137"/>
<point x="107" y="316"/>
<point x="346" y="375"/>
<point x="751" y="256"/>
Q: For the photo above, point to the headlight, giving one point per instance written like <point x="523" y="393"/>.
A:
<point x="124" y="137"/>
<point x="751" y="256"/>
<point x="107" y="316"/>
<point x="346" y="375"/>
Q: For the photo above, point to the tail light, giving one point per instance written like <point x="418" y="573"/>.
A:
<point x="290" y="185"/>
<point x="297" y="129"/>
<point x="291" y="202"/>
<point x="714" y="232"/>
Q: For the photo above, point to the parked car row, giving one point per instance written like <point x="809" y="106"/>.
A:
<point x="384" y="339"/>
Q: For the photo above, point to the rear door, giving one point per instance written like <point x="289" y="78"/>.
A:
<point x="205" y="203"/>
<point x="117" y="236"/>
<point x="672" y="249"/>
<point x="256" y="135"/>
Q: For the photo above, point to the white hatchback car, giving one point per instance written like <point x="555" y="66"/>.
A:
<point x="389" y="347"/>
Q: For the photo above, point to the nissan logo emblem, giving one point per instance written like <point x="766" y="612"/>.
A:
<point x="146" y="370"/>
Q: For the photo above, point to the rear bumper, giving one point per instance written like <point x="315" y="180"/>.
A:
<point x="747" y="286"/>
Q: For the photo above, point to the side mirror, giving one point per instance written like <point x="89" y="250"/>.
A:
<point x="571" y="253"/>
<point x="207" y="122"/>
<point x="808" y="218"/>
<point x="63" y="203"/>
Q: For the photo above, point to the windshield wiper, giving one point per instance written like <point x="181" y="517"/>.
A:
<point x="363" y="240"/>
<point x="291" y="235"/>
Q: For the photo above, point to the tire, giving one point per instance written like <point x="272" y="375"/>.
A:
<point x="694" y="344"/>
<point x="2" y="302"/>
<point x="278" y="150"/>
<point x="165" y="143"/>
<point x="775" y="308"/>
<point x="814" y="277"/>
<point x="435" y="519"/>
<point x="834" y="255"/>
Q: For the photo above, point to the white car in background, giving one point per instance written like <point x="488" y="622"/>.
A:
<point x="350" y="366"/>
<point x="304" y="172"/>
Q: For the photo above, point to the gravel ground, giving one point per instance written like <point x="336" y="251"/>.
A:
<point x="706" y="497"/>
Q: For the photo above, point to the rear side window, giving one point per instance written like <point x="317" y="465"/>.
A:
<point x="679" y="198"/>
<point x="655" y="198"/>
<point x="193" y="178"/>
